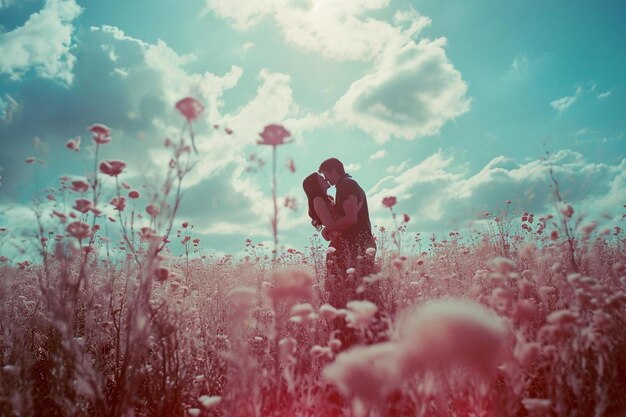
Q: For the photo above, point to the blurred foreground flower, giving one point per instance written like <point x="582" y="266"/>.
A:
<point x="274" y="135"/>
<point x="389" y="202"/>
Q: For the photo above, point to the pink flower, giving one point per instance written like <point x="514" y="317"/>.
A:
<point x="133" y="194"/>
<point x="119" y="203"/>
<point x="273" y="135"/>
<point x="190" y="108"/>
<point x="185" y="225"/>
<point x="73" y="144"/>
<point x="83" y="205"/>
<point x="152" y="210"/>
<point x="291" y="166"/>
<point x="161" y="274"/>
<point x="100" y="133"/>
<point x="79" y="230"/>
<point x="369" y="373"/>
<point x="80" y="186"/>
<point x="389" y="202"/>
<point x="112" y="167"/>
<point x="228" y="131"/>
<point x="360" y="313"/>
<point x="242" y="298"/>
<point x="291" y="203"/>
<point x="406" y="218"/>
<point x="452" y="331"/>
<point x="290" y="284"/>
<point x="567" y="211"/>
<point x="31" y="160"/>
<point x="60" y="215"/>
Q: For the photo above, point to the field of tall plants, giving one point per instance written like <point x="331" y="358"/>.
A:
<point x="524" y="317"/>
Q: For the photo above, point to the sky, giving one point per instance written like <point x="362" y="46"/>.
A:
<point x="452" y="107"/>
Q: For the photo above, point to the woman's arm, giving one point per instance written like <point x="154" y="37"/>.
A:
<point x="323" y="212"/>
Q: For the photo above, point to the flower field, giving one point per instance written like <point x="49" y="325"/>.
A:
<point x="505" y="321"/>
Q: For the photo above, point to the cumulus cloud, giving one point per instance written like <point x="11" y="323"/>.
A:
<point x="605" y="94"/>
<point x="378" y="154"/>
<point x="42" y="43"/>
<point x="564" y="103"/>
<point x="411" y="93"/>
<point x="437" y="193"/>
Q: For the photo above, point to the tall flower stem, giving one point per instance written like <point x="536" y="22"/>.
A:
<point x="275" y="219"/>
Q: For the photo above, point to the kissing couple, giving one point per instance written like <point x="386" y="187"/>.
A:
<point x="345" y="223"/>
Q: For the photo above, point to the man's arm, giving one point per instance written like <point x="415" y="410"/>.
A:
<point x="350" y="209"/>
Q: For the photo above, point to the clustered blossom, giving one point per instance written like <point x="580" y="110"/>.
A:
<point x="83" y="205"/>
<point x="119" y="203"/>
<point x="152" y="210"/>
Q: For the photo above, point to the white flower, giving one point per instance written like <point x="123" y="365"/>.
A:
<point x="209" y="401"/>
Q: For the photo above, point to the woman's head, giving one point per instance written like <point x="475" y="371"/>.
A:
<point x="315" y="186"/>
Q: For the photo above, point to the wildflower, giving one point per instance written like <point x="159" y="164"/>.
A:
<point x="389" y="202"/>
<point x="194" y="412"/>
<point x="209" y="402"/>
<point x="83" y="205"/>
<point x="112" y="167"/>
<point x="190" y="108"/>
<point x="79" y="230"/>
<point x="445" y="332"/>
<point x="80" y="186"/>
<point x="290" y="284"/>
<point x="101" y="133"/>
<point x="328" y="312"/>
<point x="291" y="166"/>
<point x="406" y="218"/>
<point x="567" y="210"/>
<point x="161" y="274"/>
<point x="554" y="235"/>
<point x="331" y="250"/>
<point x="351" y="271"/>
<point x="273" y="135"/>
<point x="501" y="265"/>
<point x="228" y="131"/>
<point x="31" y="160"/>
<point x="73" y="144"/>
<point x="370" y="252"/>
<point x="133" y="194"/>
<point x="185" y="225"/>
<point x="152" y="210"/>
<point x="119" y="203"/>
<point x="507" y="202"/>
<point x="562" y="317"/>
<point x="360" y="312"/>
<point x="366" y="373"/>
<point x="242" y="297"/>
<point x="538" y="405"/>
<point x="302" y="313"/>
<point x="322" y="352"/>
<point x="398" y="264"/>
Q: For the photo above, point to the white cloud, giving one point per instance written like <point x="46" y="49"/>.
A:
<point x="563" y="103"/>
<point x="378" y="154"/>
<point x="439" y="194"/>
<point x="335" y="29"/>
<point x="412" y="92"/>
<point x="8" y="108"/>
<point x="520" y="63"/>
<point x="353" y="167"/>
<point x="43" y="43"/>
<point x="605" y="94"/>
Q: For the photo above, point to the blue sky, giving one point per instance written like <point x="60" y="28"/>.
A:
<point x="450" y="106"/>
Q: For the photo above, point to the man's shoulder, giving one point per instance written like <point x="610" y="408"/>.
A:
<point x="348" y="183"/>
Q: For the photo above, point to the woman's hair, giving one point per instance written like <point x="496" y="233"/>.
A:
<point x="313" y="189"/>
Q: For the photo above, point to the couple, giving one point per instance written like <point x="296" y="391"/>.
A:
<point x="345" y="223"/>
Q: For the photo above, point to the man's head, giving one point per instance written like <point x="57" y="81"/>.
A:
<point x="332" y="169"/>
